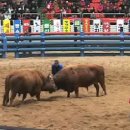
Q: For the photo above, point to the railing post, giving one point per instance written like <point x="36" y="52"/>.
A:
<point x="75" y="40"/>
<point x="43" y="43"/>
<point x="4" y="41"/>
<point x="82" y="44"/>
<point x="17" y="41"/>
<point x="122" y="41"/>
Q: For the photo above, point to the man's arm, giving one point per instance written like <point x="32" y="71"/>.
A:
<point x="61" y="66"/>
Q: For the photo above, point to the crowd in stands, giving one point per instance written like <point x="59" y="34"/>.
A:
<point x="14" y="9"/>
<point x="107" y="7"/>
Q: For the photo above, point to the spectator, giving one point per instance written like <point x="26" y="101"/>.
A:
<point x="100" y="8"/>
<point x="56" y="67"/>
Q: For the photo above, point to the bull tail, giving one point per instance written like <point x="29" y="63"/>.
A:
<point x="7" y="90"/>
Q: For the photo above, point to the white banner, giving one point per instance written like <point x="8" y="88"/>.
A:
<point x="119" y="23"/>
<point x="36" y="26"/>
<point x="97" y="25"/>
<point x="57" y="25"/>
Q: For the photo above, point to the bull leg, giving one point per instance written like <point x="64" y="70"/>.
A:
<point x="68" y="94"/>
<point x="87" y="88"/>
<point x="77" y="92"/>
<point x="24" y="96"/>
<point x="6" y="98"/>
<point x="97" y="89"/>
<point x="103" y="87"/>
<point x="12" y="98"/>
<point x="38" y="96"/>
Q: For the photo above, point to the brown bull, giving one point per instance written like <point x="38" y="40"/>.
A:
<point x="26" y="81"/>
<point x="73" y="77"/>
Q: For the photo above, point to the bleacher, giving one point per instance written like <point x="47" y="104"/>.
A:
<point x="49" y="8"/>
<point x="100" y="8"/>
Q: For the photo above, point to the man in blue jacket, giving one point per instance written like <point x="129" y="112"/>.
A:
<point x="56" y="66"/>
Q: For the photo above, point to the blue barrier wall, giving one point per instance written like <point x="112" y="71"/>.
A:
<point x="81" y="43"/>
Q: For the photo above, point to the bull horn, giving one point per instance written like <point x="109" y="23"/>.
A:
<point x="49" y="76"/>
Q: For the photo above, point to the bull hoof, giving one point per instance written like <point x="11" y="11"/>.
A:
<point x="3" y="104"/>
<point x="11" y="105"/>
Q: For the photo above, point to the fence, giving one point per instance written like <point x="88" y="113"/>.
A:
<point x="62" y="15"/>
<point x="80" y="44"/>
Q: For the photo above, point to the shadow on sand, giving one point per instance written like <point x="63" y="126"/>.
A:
<point x="34" y="101"/>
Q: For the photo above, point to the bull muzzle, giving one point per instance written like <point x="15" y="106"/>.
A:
<point x="53" y="89"/>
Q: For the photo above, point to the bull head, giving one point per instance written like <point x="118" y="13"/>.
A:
<point x="50" y="84"/>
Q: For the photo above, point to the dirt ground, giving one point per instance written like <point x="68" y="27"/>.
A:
<point x="56" y="112"/>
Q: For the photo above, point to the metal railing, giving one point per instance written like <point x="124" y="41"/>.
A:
<point x="72" y="15"/>
<point x="118" y="43"/>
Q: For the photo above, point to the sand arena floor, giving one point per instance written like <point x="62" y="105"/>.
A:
<point x="56" y="112"/>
